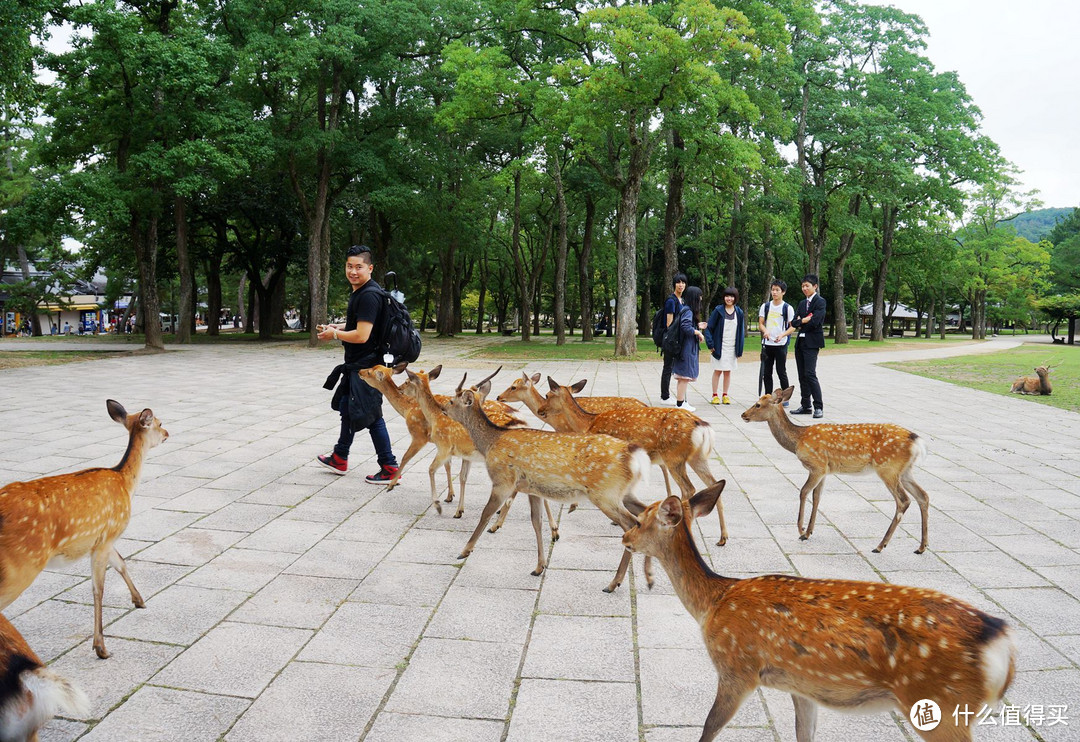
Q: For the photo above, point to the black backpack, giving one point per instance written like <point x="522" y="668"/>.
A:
<point x="400" y="338"/>
<point x="673" y="336"/>
<point x="659" y="324"/>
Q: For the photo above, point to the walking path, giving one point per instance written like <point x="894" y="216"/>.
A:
<point x="284" y="603"/>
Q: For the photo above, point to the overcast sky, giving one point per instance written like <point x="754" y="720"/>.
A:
<point x="1020" y="62"/>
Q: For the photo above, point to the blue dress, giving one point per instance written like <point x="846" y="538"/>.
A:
<point x="685" y="365"/>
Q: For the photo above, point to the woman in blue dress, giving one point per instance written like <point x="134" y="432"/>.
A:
<point x="685" y="367"/>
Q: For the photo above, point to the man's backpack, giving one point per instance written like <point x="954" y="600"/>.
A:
<point x="400" y="338"/>
<point x="659" y="324"/>
<point x="673" y="337"/>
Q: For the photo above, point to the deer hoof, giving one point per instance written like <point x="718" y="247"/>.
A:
<point x="877" y="550"/>
<point x="554" y="536"/>
<point x="140" y="603"/>
<point x="449" y="497"/>
<point x="920" y="550"/>
<point x="537" y="572"/>
<point x="102" y="653"/>
<point x="804" y="536"/>
<point x="464" y="555"/>
<point x="573" y="507"/>
<point x="438" y="507"/>
<point x="459" y="513"/>
<point x="612" y="587"/>
<point x="722" y="541"/>
<point x="493" y="529"/>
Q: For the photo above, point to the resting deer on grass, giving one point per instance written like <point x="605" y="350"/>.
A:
<point x="30" y="693"/>
<point x="860" y="647"/>
<point x="1038" y="384"/>
<point x="848" y="449"/>
<point x="524" y="390"/>
<point x="561" y="467"/>
<point x="68" y="516"/>
<point x="672" y="437"/>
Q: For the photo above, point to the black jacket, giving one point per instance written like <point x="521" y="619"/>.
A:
<point x="365" y="402"/>
<point x="810" y="334"/>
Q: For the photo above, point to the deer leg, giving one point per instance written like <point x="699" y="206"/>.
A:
<point x="435" y="464"/>
<point x="120" y="566"/>
<point x="449" y="481"/>
<point x="622" y="518"/>
<point x="814" y="506"/>
<point x="805" y="718"/>
<point x="728" y="700"/>
<point x="502" y="515"/>
<point x="497" y="498"/>
<point x="99" y="562"/>
<point x="534" y="516"/>
<point x="464" y="477"/>
<point x="667" y="482"/>
<point x="414" y="447"/>
<point x="811" y="482"/>
<point x="551" y="520"/>
<point x="923" y="500"/>
<point x="902" y="502"/>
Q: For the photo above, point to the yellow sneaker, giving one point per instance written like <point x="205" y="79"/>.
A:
<point x="714" y="400"/>
<point x="727" y="399"/>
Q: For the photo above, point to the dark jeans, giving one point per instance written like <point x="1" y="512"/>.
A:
<point x="806" y="362"/>
<point x="775" y="354"/>
<point x="665" y="377"/>
<point x="380" y="439"/>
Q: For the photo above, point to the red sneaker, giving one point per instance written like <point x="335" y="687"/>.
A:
<point x="334" y="463"/>
<point x="383" y="476"/>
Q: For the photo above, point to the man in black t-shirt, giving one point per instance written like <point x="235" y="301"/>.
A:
<point x="359" y="404"/>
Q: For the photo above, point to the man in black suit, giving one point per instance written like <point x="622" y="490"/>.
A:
<point x="810" y="338"/>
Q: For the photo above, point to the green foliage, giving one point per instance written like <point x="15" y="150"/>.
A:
<point x="1038" y="224"/>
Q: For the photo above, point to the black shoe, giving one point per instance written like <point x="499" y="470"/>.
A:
<point x="818" y="413"/>
<point x="800" y="411"/>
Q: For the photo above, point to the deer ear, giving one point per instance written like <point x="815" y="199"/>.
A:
<point x="434" y="373"/>
<point x="703" y="502"/>
<point x="535" y="378"/>
<point x="785" y="395"/>
<point x="554" y="385"/>
<point x="670" y="512"/>
<point x="116" y="411"/>
<point x="485" y="387"/>
<point x="412" y="376"/>
<point x="400" y="367"/>
<point x="579" y="386"/>
<point x="146" y="418"/>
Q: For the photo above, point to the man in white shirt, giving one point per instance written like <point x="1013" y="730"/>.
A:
<point x="774" y="321"/>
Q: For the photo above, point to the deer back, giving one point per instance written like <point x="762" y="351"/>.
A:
<point x="854" y="447"/>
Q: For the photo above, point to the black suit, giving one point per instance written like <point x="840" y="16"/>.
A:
<point x="809" y="339"/>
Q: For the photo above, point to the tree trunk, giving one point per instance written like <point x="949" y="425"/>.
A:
<point x="584" y="275"/>
<point x="145" y="241"/>
<point x="444" y="317"/>
<point x="888" y="231"/>
<point x="559" y="308"/>
<point x="524" y="295"/>
<point x="212" y="267"/>
<point x="674" y="212"/>
<point x="186" y="311"/>
<point x="847" y="241"/>
<point x="241" y="301"/>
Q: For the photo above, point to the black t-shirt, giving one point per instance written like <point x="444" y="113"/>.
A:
<point x="365" y="305"/>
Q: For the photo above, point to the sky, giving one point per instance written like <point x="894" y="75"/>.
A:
<point x="1020" y="63"/>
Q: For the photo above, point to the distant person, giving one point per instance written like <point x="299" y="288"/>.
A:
<point x="725" y="335"/>
<point x="774" y="321"/>
<point x="685" y="366"/>
<point x="672" y="306"/>
<point x="67" y="328"/>
<point x="809" y="321"/>
<point x="359" y="404"/>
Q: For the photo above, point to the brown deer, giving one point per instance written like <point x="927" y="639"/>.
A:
<point x="560" y="467"/>
<point x="524" y="390"/>
<point x="672" y="437"/>
<point x="1038" y="384"/>
<point x="848" y="449"/>
<point x="859" y="647"/>
<point x="69" y="516"/>
<point x="30" y="693"/>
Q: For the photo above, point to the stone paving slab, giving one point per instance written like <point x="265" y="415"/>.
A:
<point x="284" y="602"/>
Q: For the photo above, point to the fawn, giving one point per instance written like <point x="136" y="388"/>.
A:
<point x="848" y="449"/>
<point x="30" y="693"/>
<point x="68" y="516"/>
<point x="853" y="646"/>
<point x="1038" y="384"/>
<point x="561" y="467"/>
<point x="672" y="437"/>
<point x="524" y="390"/>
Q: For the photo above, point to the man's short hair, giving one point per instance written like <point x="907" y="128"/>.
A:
<point x="779" y="284"/>
<point x="810" y="278"/>
<point x="678" y="278"/>
<point x="361" y="251"/>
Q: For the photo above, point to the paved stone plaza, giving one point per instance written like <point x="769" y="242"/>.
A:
<point x="285" y="603"/>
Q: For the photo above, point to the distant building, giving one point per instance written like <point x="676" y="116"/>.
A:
<point x="82" y="306"/>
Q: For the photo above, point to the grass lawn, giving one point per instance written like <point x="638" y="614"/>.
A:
<point x="995" y="372"/>
<point x="24" y="358"/>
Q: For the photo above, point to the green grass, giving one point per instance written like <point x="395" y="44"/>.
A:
<point x="24" y="358"/>
<point x="995" y="372"/>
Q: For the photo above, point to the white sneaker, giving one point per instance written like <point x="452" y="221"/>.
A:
<point x="669" y="401"/>
<point x="686" y="406"/>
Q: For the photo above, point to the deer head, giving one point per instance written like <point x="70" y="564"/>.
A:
<point x="656" y="530"/>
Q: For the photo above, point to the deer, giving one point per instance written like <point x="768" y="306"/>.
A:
<point x="30" y="693"/>
<point x="524" y="390"/>
<point x="1038" y="384"/>
<point x="672" y="437"/>
<point x="68" y="516"/>
<point x="823" y="449"/>
<point x="560" y="467"/>
<point x="859" y="647"/>
<point x="451" y="439"/>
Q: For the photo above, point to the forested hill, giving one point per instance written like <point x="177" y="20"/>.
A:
<point x="1035" y="225"/>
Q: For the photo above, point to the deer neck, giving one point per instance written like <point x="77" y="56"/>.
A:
<point x="698" y="587"/>
<point x="130" y="467"/>
<point x="483" y="432"/>
<point x="786" y="433"/>
<point x="428" y="405"/>
<point x="1044" y="383"/>
<point x="396" y="398"/>
<point x="533" y="399"/>
<point x="576" y="418"/>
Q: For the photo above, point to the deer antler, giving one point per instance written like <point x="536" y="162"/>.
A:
<point x="489" y="378"/>
<point x="461" y="384"/>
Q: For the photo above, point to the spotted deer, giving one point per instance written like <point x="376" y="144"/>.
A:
<point x="860" y="647"/>
<point x="30" y="693"/>
<point x="1038" y="384"/>
<point x="560" y="467"/>
<point x="848" y="449"/>
<point x="524" y="390"/>
<point x="68" y="516"/>
<point x="672" y="437"/>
